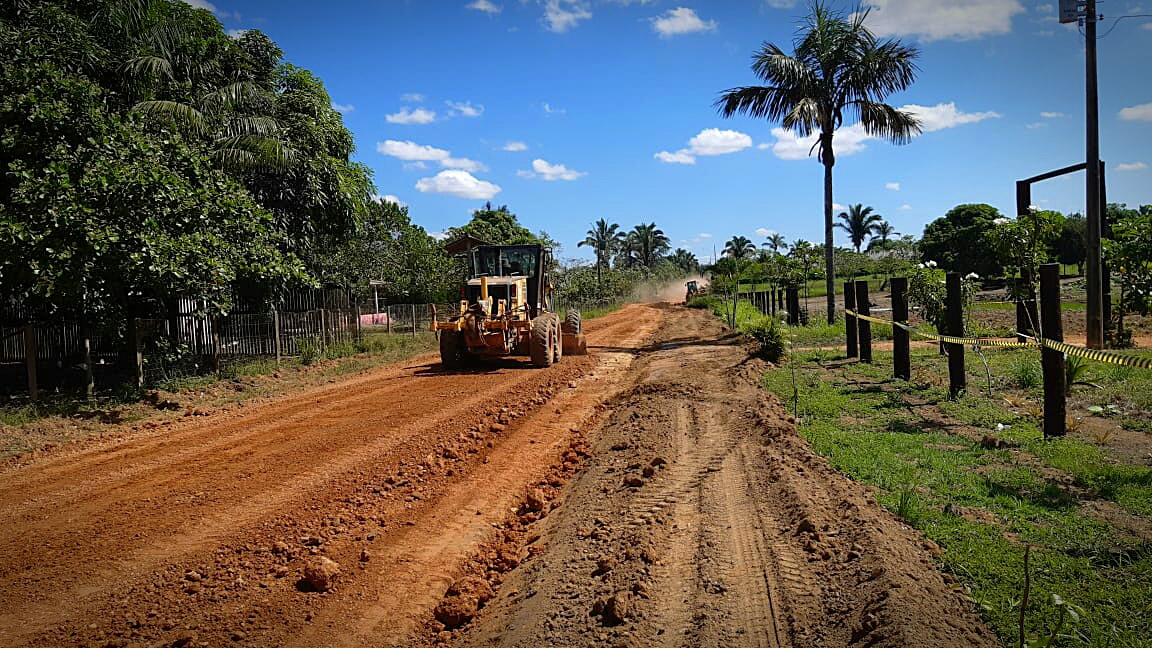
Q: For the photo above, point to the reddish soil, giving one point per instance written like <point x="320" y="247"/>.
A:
<point x="695" y="514"/>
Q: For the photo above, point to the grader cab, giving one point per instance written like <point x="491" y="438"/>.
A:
<point x="506" y="309"/>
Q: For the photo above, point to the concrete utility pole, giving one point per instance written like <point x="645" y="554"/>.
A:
<point x="1095" y="314"/>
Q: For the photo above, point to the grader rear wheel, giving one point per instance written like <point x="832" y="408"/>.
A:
<point x="572" y="322"/>
<point x="557" y="337"/>
<point x="542" y="340"/>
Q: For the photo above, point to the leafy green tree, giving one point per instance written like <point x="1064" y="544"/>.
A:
<point x="859" y="222"/>
<point x="684" y="260"/>
<point x="739" y="247"/>
<point x="649" y="244"/>
<point x="603" y="239"/>
<point x="495" y="226"/>
<point x="1071" y="247"/>
<point x="837" y="66"/>
<point x="1021" y="244"/>
<point x="959" y="241"/>
<point x="1129" y="255"/>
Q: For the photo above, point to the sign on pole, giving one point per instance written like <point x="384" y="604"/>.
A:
<point x="1069" y="11"/>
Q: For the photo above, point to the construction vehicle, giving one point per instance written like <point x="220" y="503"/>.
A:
<point x="693" y="290"/>
<point x="506" y="310"/>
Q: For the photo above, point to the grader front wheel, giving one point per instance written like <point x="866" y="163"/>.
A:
<point x="542" y="341"/>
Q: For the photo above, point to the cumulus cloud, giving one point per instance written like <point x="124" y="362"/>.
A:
<point x="390" y="199"/>
<point x="411" y="151"/>
<point x="1133" y="166"/>
<point x="764" y="232"/>
<point x="1140" y="112"/>
<point x="929" y="21"/>
<point x="680" y="20"/>
<point x="485" y="6"/>
<point x="780" y="4"/>
<point x="514" y="146"/>
<point x="1052" y="115"/>
<point x="464" y="109"/>
<point x="343" y="109"/>
<point x="458" y="183"/>
<point x="704" y="235"/>
<point x="562" y="15"/>
<point x="410" y="116"/>
<point x="550" y="172"/>
<point x="945" y="115"/>
<point x="412" y="97"/>
<point x="905" y="207"/>
<point x="462" y="163"/>
<point x="552" y="110"/>
<point x="710" y="141"/>
<point x="838" y="207"/>
<point x="892" y="186"/>
<point x="679" y="157"/>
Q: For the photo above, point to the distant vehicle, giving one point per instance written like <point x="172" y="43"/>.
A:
<point x="693" y="290"/>
<point x="506" y="309"/>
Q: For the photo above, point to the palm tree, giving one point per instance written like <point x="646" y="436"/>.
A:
<point x="740" y="247"/>
<point x="776" y="242"/>
<point x="860" y="222"/>
<point x="881" y="232"/>
<point x="604" y="239"/>
<point x="650" y="243"/>
<point x="838" y="66"/>
<point x="684" y="260"/>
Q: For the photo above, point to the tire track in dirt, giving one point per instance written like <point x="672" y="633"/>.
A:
<point x="101" y="539"/>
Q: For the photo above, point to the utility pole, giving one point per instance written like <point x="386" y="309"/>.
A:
<point x="1095" y="278"/>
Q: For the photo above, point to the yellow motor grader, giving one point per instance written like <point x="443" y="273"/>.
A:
<point x="506" y="309"/>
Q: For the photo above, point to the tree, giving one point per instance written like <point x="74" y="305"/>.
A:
<point x="776" y="243"/>
<point x="649" y="244"/>
<point x="838" y="66"/>
<point x="1130" y="256"/>
<point x="739" y="247"/>
<point x="684" y="260"/>
<point x="495" y="226"/>
<point x="860" y="223"/>
<point x="1071" y="245"/>
<point x="603" y="239"/>
<point x="959" y="242"/>
<point x="882" y="232"/>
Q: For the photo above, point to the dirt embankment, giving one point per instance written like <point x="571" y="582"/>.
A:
<point x="703" y="519"/>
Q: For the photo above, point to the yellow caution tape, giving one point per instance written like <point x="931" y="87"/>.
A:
<point x="1110" y="357"/>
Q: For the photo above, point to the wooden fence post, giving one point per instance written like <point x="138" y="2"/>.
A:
<point x="86" y="351"/>
<point x="853" y="351"/>
<point x="215" y="320"/>
<point x="954" y="305"/>
<point x="276" y="335"/>
<point x="901" y="354"/>
<point x="388" y="311"/>
<point x="359" y="330"/>
<point x="793" y="305"/>
<point x="1051" y="360"/>
<point x="864" y="307"/>
<point x="137" y="355"/>
<point x="413" y="320"/>
<point x="31" y="350"/>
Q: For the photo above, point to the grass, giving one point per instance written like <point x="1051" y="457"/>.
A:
<point x="984" y="504"/>
<point x="1009" y="306"/>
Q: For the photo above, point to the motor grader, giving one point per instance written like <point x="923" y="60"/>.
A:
<point x="506" y="310"/>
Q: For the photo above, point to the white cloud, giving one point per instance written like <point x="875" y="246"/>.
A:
<point x="680" y="20"/>
<point x="905" y="207"/>
<point x="1035" y="125"/>
<point x="1134" y="166"/>
<point x="892" y="186"/>
<point x="710" y="141"/>
<point x="953" y="20"/>
<point x="201" y="4"/>
<point x="237" y="34"/>
<point x="411" y="151"/>
<point x="343" y="109"/>
<point x="764" y="232"/>
<point x="945" y="115"/>
<point x="838" y="207"/>
<point x="679" y="157"/>
<point x="562" y="15"/>
<point x="1045" y="8"/>
<point x="412" y="97"/>
<point x="1140" y="112"/>
<point x="410" y="116"/>
<point x="485" y="6"/>
<point x="463" y="163"/>
<point x="1052" y="115"/>
<point x="458" y="183"/>
<point x="704" y="235"/>
<point x="464" y="109"/>
<point x="550" y="172"/>
<point x="548" y="108"/>
<point x="780" y="4"/>
<point x="390" y="198"/>
<point x="763" y="146"/>
<point x="415" y="166"/>
<point x="514" y="146"/>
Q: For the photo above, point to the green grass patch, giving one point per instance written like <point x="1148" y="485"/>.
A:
<point x="981" y="504"/>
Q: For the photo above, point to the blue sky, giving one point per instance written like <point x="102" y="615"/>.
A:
<point x="573" y="110"/>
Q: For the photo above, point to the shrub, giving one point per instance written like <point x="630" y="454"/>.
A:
<point x="311" y="348"/>
<point x="769" y="337"/>
<point x="705" y="301"/>
<point x="1026" y="374"/>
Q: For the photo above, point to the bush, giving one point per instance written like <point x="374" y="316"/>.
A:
<point x="769" y="337"/>
<point x="311" y="349"/>
<point x="711" y="302"/>
<point x="1026" y="374"/>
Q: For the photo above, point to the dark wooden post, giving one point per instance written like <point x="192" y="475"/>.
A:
<point x="359" y="331"/>
<point x="137" y="355"/>
<point x="413" y="320"/>
<point x="901" y="354"/>
<point x="388" y="312"/>
<point x="864" y="307"/>
<point x="1051" y="360"/>
<point x="276" y="335"/>
<point x="793" y="305"/>
<point x="215" y="320"/>
<point x="850" y="321"/>
<point x="954" y="320"/>
<point x="86" y="354"/>
<point x="31" y="351"/>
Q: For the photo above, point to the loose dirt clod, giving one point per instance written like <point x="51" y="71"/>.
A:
<point x="462" y="601"/>
<point x="320" y="574"/>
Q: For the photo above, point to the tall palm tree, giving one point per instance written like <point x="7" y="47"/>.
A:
<point x="684" y="260"/>
<point x="860" y="222"/>
<point x="650" y="243"/>
<point x="881" y="232"/>
<point x="740" y="247"/>
<point x="776" y="242"/>
<point x="603" y="239"/>
<point x="838" y="66"/>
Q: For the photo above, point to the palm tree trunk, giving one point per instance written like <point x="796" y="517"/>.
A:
<point x="829" y="266"/>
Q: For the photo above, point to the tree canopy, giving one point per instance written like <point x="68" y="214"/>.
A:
<point x="959" y="241"/>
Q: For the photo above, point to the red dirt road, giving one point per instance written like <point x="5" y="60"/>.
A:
<point x="197" y="532"/>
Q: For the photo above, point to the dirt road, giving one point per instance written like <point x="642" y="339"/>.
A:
<point x="728" y="530"/>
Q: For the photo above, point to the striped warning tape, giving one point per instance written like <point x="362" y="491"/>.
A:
<point x="1110" y="357"/>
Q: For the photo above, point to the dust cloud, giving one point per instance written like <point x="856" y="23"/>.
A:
<point x="669" y="291"/>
